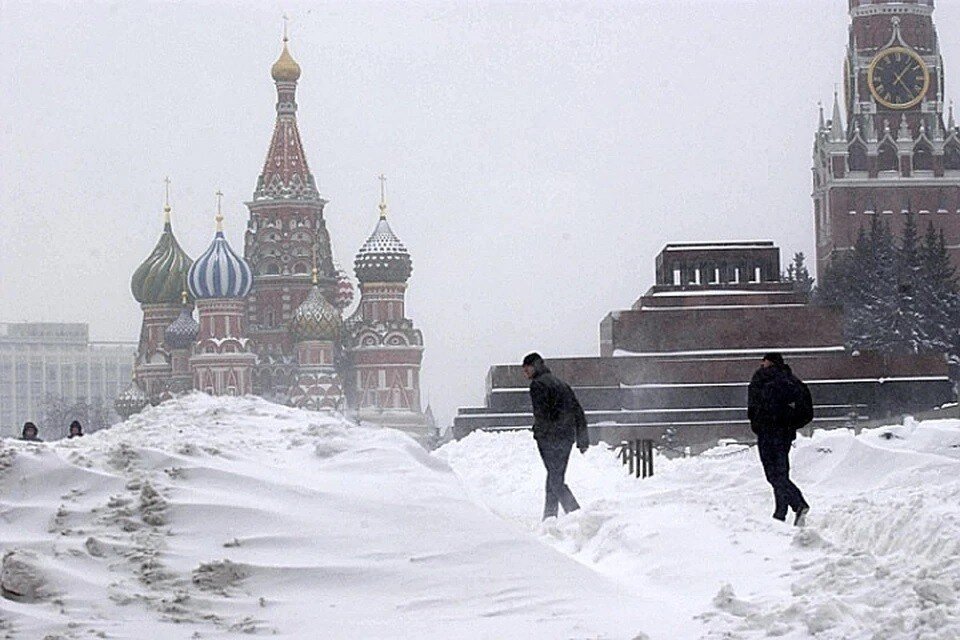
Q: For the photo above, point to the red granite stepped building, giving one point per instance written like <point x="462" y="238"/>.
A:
<point x="681" y="357"/>
<point x="271" y="323"/>
<point x="887" y="150"/>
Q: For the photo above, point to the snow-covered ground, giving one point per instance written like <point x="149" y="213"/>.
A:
<point x="218" y="518"/>
<point x="880" y="559"/>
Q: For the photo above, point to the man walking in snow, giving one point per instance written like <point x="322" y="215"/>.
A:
<point x="778" y="404"/>
<point x="558" y="423"/>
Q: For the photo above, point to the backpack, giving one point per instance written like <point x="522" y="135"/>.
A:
<point x="802" y="413"/>
<point x="791" y="404"/>
<point x="788" y="402"/>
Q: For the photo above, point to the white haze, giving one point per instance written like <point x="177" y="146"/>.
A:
<point x="538" y="155"/>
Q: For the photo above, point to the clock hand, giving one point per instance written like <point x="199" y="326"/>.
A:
<point x="899" y="78"/>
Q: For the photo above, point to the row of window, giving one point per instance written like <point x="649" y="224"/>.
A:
<point x="889" y="159"/>
<point x="697" y="277"/>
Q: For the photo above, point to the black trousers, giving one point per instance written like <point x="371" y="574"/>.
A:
<point x="775" y="457"/>
<point x="555" y="455"/>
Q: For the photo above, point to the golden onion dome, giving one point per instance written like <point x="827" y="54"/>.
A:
<point x="316" y="318"/>
<point x="285" y="69"/>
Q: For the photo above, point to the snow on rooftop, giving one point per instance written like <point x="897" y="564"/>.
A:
<point x="719" y="292"/>
<point x="623" y="353"/>
<point x="719" y="246"/>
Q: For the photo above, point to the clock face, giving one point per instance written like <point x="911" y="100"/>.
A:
<point x="898" y="78"/>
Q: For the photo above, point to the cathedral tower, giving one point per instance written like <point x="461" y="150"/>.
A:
<point x="157" y="285"/>
<point x="222" y="360"/>
<point x="887" y="150"/>
<point x="286" y="227"/>
<point x="384" y="348"/>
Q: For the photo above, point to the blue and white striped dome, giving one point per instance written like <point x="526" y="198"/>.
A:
<point x="219" y="272"/>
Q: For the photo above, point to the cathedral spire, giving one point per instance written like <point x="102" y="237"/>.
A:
<point x="950" y="123"/>
<point x="383" y="197"/>
<point x="285" y="69"/>
<point x="166" y="202"/>
<point x="219" y="217"/>
<point x="821" y="125"/>
<point x="286" y="175"/>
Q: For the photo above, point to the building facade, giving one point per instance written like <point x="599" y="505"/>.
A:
<point x="272" y="322"/>
<point x="889" y="148"/>
<point x="39" y="361"/>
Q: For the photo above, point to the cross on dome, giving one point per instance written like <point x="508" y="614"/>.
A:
<point x="383" y="195"/>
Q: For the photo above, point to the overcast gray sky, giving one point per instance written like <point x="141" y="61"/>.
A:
<point x="538" y="155"/>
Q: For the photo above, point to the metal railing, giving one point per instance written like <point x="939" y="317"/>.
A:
<point x="637" y="455"/>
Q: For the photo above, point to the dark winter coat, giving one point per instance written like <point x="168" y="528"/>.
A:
<point x="557" y="414"/>
<point x="770" y="389"/>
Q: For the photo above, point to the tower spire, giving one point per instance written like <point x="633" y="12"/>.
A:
<point x="903" y="135"/>
<point x="950" y="123"/>
<point x="166" y="200"/>
<point x="836" y="125"/>
<point x="821" y="125"/>
<point x="219" y="217"/>
<point x="285" y="69"/>
<point x="383" y="196"/>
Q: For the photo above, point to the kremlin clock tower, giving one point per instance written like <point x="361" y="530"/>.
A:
<point x="887" y="150"/>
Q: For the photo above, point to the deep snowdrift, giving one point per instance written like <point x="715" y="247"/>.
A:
<point x="216" y="518"/>
<point x="879" y="561"/>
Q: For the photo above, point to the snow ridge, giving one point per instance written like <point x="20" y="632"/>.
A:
<point x="880" y="559"/>
<point x="222" y="517"/>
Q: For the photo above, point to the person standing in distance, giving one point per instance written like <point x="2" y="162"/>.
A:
<point x="779" y="404"/>
<point x="30" y="433"/>
<point x="558" y="423"/>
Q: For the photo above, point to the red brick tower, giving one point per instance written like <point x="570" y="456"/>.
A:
<point x="285" y="228"/>
<point x="383" y="347"/>
<point x="890" y="152"/>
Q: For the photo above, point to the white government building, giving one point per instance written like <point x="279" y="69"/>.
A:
<point x="40" y="359"/>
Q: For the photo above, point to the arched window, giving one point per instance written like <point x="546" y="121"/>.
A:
<point x="857" y="159"/>
<point x="922" y="158"/>
<point x="272" y="269"/>
<point x="887" y="161"/>
<point x="300" y="267"/>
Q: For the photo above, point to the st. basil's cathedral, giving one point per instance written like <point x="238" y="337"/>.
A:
<point x="272" y="323"/>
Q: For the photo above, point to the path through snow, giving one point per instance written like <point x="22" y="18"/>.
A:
<point x="879" y="561"/>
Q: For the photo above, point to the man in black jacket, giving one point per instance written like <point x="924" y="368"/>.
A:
<point x="771" y="395"/>
<point x="558" y="422"/>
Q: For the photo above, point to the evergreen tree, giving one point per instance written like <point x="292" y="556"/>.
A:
<point x="902" y="324"/>
<point x="938" y="294"/>
<point x="798" y="274"/>
<point x="872" y="297"/>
